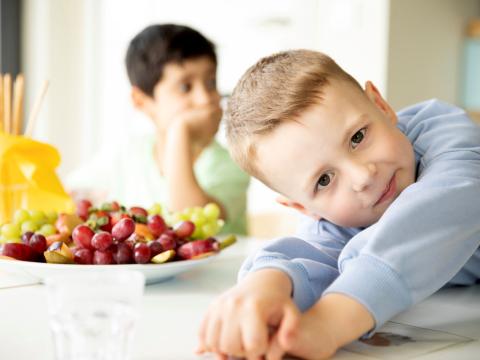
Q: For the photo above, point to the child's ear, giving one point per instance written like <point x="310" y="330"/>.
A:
<point x="297" y="206"/>
<point x="375" y="97"/>
<point x="140" y="100"/>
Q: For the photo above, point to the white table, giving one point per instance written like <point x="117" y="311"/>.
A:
<point x="445" y="326"/>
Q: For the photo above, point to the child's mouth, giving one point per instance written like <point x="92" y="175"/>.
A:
<point x="389" y="191"/>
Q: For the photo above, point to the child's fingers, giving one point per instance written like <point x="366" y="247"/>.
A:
<point x="254" y="335"/>
<point x="275" y="350"/>
<point x="288" y="328"/>
<point x="231" y="339"/>
<point x="212" y="335"/>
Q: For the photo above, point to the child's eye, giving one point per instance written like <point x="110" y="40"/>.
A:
<point x="323" y="181"/>
<point x="358" y="137"/>
<point x="185" y="87"/>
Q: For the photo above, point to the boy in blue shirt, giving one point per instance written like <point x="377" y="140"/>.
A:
<point x="393" y="202"/>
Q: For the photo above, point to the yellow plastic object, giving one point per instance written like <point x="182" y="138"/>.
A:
<point x="28" y="179"/>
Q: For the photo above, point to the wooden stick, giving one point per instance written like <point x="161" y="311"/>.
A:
<point x="35" y="110"/>
<point x="7" y="102"/>
<point x="1" y="103"/>
<point x="17" y="104"/>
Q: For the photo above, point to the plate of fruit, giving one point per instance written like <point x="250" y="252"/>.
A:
<point x="155" y="242"/>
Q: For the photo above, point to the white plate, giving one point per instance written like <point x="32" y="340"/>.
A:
<point x="153" y="272"/>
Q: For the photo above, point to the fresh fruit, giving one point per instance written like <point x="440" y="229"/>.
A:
<point x="38" y="243"/>
<point x="65" y="223"/>
<point x="123" y="254"/>
<point x="26" y="237"/>
<point x="211" y="211"/>
<point x="58" y="237"/>
<point x="29" y="225"/>
<point x="141" y="253"/>
<point x="21" y="216"/>
<point x="47" y="229"/>
<point x="123" y="229"/>
<point x="83" y="256"/>
<point x="138" y="211"/>
<point x="82" y="208"/>
<point x="103" y="257"/>
<point x="156" y="225"/>
<point x="143" y="230"/>
<point x="163" y="257"/>
<point x="82" y="236"/>
<point x="58" y="253"/>
<point x="18" y="251"/>
<point x="155" y="247"/>
<point x="184" y="229"/>
<point x="102" y="240"/>
<point x="167" y="241"/>
<point x="229" y="240"/>
<point x="155" y="209"/>
<point x="195" y="248"/>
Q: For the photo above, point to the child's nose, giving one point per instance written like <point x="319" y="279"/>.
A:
<point x="205" y="97"/>
<point x="362" y="175"/>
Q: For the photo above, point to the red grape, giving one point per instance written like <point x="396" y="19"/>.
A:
<point x="138" y="211"/>
<point x="155" y="247"/>
<point x="38" y="243"/>
<point x="83" y="256"/>
<point x="156" y="225"/>
<point x="123" y="254"/>
<point x="82" y="208"/>
<point x="18" y="251"/>
<point x="102" y="257"/>
<point x="123" y="229"/>
<point x="82" y="236"/>
<point x="195" y="248"/>
<point x="26" y="237"/>
<point x="184" y="229"/>
<point x="141" y="253"/>
<point x="167" y="241"/>
<point x="102" y="240"/>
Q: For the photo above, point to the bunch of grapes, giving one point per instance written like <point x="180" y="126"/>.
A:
<point x="28" y="221"/>
<point x="206" y="220"/>
<point x="113" y="234"/>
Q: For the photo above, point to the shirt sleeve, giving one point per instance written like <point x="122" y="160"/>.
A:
<point x="222" y="179"/>
<point x="430" y="231"/>
<point x="310" y="262"/>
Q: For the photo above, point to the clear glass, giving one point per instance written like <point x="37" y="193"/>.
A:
<point x="93" y="314"/>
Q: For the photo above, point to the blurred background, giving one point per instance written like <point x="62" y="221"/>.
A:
<point x="412" y="50"/>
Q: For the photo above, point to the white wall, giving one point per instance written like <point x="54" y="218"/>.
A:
<point x="425" y="49"/>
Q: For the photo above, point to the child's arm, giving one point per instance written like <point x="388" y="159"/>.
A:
<point x="188" y="132"/>
<point x="335" y="320"/>
<point x="238" y="322"/>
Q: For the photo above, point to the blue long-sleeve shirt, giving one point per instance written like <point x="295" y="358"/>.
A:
<point x="428" y="237"/>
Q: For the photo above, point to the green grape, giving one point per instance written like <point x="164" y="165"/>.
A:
<point x="3" y="239"/>
<point x="209" y="229"/>
<point x="13" y="240"/>
<point x="11" y="231"/>
<point x="38" y="216"/>
<point x="198" y="218"/>
<point x="51" y="216"/>
<point x="155" y="209"/>
<point x="211" y="211"/>
<point x="189" y="211"/>
<point x="20" y="216"/>
<point x="198" y="233"/>
<point x="29" y="225"/>
<point x="47" y="229"/>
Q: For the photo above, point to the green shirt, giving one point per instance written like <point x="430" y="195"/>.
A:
<point x="129" y="175"/>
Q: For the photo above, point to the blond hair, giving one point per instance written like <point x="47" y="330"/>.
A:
<point x="277" y="88"/>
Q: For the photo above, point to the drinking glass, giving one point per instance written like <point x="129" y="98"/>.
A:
<point x="93" y="313"/>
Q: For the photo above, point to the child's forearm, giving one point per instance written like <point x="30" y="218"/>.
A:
<point x="346" y="319"/>
<point x="182" y="187"/>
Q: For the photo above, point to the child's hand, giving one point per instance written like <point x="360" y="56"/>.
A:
<point x="200" y="122"/>
<point x="238" y="322"/>
<point x="334" y="321"/>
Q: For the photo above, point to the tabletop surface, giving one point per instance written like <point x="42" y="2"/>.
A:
<point x="444" y="326"/>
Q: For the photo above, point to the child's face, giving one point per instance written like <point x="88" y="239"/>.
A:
<point x="183" y="88"/>
<point x="344" y="160"/>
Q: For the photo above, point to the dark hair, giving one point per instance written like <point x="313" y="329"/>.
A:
<point x="157" y="45"/>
